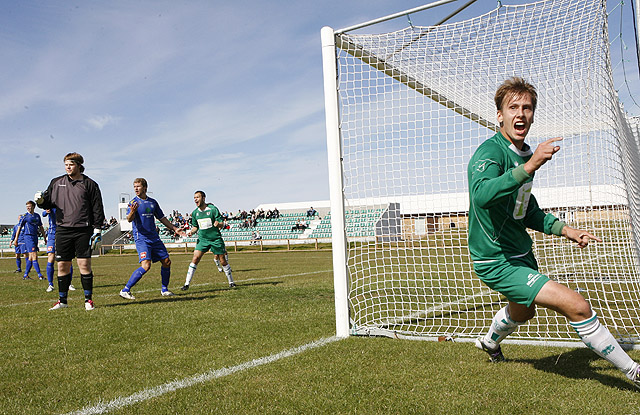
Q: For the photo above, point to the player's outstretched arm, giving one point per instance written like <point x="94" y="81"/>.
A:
<point x="582" y="238"/>
<point x="172" y="227"/>
<point x="544" y="152"/>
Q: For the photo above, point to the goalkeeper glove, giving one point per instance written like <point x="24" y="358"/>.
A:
<point x="38" y="197"/>
<point x="96" y="238"/>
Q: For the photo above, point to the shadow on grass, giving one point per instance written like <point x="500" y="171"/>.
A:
<point x="576" y="364"/>
<point x="192" y="294"/>
<point x="173" y="299"/>
<point x="106" y="285"/>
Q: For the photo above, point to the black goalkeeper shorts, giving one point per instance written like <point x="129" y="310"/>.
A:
<point x="73" y="243"/>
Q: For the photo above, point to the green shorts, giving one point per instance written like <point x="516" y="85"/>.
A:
<point x="216" y="246"/>
<point x="517" y="279"/>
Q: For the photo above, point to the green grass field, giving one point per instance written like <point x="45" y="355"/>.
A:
<point x="215" y="350"/>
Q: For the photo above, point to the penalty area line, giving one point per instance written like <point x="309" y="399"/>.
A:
<point x="169" y="387"/>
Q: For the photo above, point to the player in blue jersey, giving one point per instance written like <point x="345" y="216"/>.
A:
<point x="20" y="247"/>
<point x="31" y="228"/>
<point x="51" y="248"/>
<point x="142" y="213"/>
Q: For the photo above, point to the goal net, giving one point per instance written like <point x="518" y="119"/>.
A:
<point x="412" y="107"/>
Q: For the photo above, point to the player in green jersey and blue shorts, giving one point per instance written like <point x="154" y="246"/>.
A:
<point x="501" y="209"/>
<point x="207" y="221"/>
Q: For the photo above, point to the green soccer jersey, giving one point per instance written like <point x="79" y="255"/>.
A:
<point x="501" y="206"/>
<point x="204" y="219"/>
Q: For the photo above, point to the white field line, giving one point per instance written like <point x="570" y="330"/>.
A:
<point x="150" y="393"/>
<point x="116" y="294"/>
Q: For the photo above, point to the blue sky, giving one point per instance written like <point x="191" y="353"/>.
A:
<point x="220" y="96"/>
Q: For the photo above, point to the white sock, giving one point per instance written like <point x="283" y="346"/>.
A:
<point x="190" y="272"/>
<point x="227" y="272"/>
<point x="217" y="264"/>
<point x="599" y="339"/>
<point x="501" y="327"/>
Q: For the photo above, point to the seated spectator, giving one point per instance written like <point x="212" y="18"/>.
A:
<point x="255" y="237"/>
<point x="311" y="212"/>
<point x="301" y="225"/>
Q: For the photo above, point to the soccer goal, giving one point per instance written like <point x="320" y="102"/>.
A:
<point x="405" y="112"/>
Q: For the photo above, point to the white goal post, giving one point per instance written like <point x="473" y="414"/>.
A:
<point x="406" y="110"/>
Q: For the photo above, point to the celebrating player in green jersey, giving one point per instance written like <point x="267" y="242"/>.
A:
<point x="501" y="209"/>
<point x="207" y="221"/>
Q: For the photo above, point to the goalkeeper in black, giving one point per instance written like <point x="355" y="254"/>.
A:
<point x="79" y="216"/>
<point x="502" y="208"/>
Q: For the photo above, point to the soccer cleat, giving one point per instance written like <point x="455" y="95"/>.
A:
<point x="232" y="285"/>
<point x="71" y="287"/>
<point x="16" y="271"/>
<point x="166" y="293"/>
<point x="59" y="305"/>
<point x="127" y="295"/>
<point x="634" y="377"/>
<point x="50" y="288"/>
<point x="40" y="277"/>
<point x="88" y="305"/>
<point x="495" y="355"/>
<point x="220" y="269"/>
<point x="185" y="287"/>
<point x="26" y="277"/>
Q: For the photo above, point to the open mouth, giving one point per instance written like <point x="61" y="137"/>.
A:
<point x="519" y="127"/>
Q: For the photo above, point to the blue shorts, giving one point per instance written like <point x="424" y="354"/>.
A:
<point x="151" y="250"/>
<point x="31" y="242"/>
<point x="21" y="249"/>
<point x="51" y="244"/>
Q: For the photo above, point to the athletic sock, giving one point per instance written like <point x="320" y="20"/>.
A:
<point x="501" y="326"/>
<point x="190" y="272"/>
<point x="217" y="264"/>
<point x="87" y="285"/>
<point x="50" y="272"/>
<point x="63" y="287"/>
<point x="27" y="268"/>
<point x="135" y="277"/>
<point x="165" y="275"/>
<point x="19" y="264"/>
<point x="36" y="266"/>
<point x="599" y="339"/>
<point x="227" y="272"/>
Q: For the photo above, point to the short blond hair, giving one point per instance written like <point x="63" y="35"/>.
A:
<point x="513" y="87"/>
<point x="142" y="181"/>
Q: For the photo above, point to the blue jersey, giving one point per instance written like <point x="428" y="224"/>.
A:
<point x="144" y="221"/>
<point x="30" y="224"/>
<point x="15" y="230"/>
<point x="51" y="232"/>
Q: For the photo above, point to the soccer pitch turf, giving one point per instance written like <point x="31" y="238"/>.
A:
<point x="265" y="347"/>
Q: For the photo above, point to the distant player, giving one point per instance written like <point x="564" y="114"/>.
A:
<point x="31" y="227"/>
<point x="207" y="221"/>
<point x="20" y="247"/>
<point x="502" y="207"/>
<point x="79" y="217"/>
<point x="51" y="248"/>
<point x="142" y="212"/>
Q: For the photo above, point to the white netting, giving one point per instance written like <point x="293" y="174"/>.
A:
<point x="414" y="106"/>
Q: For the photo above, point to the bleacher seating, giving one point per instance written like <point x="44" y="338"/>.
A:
<point x="360" y="223"/>
<point x="269" y="229"/>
